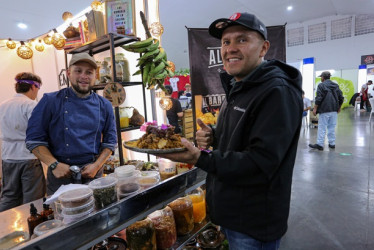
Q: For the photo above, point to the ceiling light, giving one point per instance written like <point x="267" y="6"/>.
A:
<point x="22" y="25"/>
<point x="289" y="8"/>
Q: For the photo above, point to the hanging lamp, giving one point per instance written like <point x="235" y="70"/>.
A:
<point x="39" y="46"/>
<point x="24" y="51"/>
<point x="11" y="44"/>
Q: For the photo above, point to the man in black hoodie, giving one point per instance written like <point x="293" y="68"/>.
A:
<point x="328" y="101"/>
<point x="255" y="142"/>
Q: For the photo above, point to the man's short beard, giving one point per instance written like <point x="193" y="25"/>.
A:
<point x="80" y="91"/>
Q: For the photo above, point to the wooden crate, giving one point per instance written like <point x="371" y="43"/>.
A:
<point x="188" y="124"/>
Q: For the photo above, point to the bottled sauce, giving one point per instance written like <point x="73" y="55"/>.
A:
<point x="141" y="235"/>
<point x="34" y="219"/>
<point x="120" y="57"/>
<point x="166" y="233"/>
<point x="183" y="214"/>
<point x="47" y="212"/>
<point x="198" y="204"/>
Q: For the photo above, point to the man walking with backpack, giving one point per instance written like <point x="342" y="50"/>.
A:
<point x="328" y="102"/>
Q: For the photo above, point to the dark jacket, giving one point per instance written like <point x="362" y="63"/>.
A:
<point x="250" y="169"/>
<point x="329" y="97"/>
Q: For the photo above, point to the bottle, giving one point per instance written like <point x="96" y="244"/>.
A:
<point x="34" y="219"/>
<point x="47" y="212"/>
<point x="198" y="203"/>
<point x="104" y="72"/>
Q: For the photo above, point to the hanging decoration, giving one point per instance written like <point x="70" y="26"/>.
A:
<point x="156" y="29"/>
<point x="67" y="15"/>
<point x="58" y="40"/>
<point x="39" y="46"/>
<point x="166" y="103"/>
<point x="47" y="40"/>
<point x="24" y="52"/>
<point x="11" y="44"/>
<point x="171" y="67"/>
<point x="97" y="6"/>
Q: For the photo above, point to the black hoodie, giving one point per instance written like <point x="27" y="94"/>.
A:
<point x="329" y="97"/>
<point x="255" y="143"/>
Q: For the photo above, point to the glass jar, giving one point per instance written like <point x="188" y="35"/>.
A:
<point x="141" y="235"/>
<point x="104" y="72"/>
<point x="120" y="57"/>
<point x="119" y="71"/>
<point x="198" y="203"/>
<point x="124" y="117"/>
<point x="183" y="214"/>
<point x="166" y="232"/>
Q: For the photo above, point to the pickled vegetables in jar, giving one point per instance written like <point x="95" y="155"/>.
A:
<point x="141" y="235"/>
<point x="198" y="203"/>
<point x="166" y="233"/>
<point x="183" y="215"/>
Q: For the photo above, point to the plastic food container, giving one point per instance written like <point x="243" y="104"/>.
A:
<point x="75" y="217"/>
<point x="130" y="179"/>
<point x="166" y="233"/>
<point x="104" y="191"/>
<point x="75" y="198"/>
<point x="47" y="226"/>
<point x="148" y="178"/>
<point x="80" y="209"/>
<point x="124" y="171"/>
<point x="167" y="168"/>
<point x="127" y="189"/>
<point x="183" y="214"/>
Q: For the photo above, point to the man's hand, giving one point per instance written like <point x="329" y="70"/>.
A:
<point x="62" y="170"/>
<point x="89" y="170"/>
<point x="190" y="156"/>
<point x="204" y="136"/>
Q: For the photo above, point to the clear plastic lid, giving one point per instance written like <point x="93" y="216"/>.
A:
<point x="80" y="209"/>
<point x="148" y="178"/>
<point x="76" y="197"/>
<point x="75" y="217"/>
<point x="124" y="171"/>
<point x="47" y="226"/>
<point x="103" y="182"/>
<point x="127" y="189"/>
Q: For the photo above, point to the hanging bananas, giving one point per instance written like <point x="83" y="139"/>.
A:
<point x="153" y="62"/>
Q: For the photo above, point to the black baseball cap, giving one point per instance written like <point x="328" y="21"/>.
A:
<point x="325" y="74"/>
<point x="244" y="19"/>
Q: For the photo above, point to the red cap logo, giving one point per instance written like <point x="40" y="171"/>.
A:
<point x="235" y="17"/>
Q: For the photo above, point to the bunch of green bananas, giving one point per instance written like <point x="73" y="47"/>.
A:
<point x="153" y="62"/>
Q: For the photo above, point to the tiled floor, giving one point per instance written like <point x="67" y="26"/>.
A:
<point x="332" y="204"/>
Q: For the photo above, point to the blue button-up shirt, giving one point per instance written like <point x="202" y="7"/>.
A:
<point x="74" y="129"/>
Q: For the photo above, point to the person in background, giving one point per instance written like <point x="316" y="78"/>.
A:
<point x="175" y="112"/>
<point x="187" y="92"/>
<point x="22" y="173"/>
<point x="307" y="104"/>
<point x="365" y="95"/>
<point x="255" y="142"/>
<point x="73" y="126"/>
<point x="328" y="102"/>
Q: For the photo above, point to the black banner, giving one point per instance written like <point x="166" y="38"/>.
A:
<point x="367" y="59"/>
<point x="206" y="64"/>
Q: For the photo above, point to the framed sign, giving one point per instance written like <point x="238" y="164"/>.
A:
<point x="120" y="16"/>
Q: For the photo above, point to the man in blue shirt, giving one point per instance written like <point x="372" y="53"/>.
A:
<point x="73" y="126"/>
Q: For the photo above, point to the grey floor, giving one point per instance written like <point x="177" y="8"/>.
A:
<point x="332" y="204"/>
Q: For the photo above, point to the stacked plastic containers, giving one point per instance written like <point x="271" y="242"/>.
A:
<point x="104" y="191"/>
<point x="127" y="180"/>
<point x="76" y="204"/>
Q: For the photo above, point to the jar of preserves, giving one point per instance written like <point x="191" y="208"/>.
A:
<point x="198" y="203"/>
<point x="124" y="117"/>
<point x="141" y="235"/>
<point x="166" y="232"/>
<point x="183" y="215"/>
<point x="120" y="57"/>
